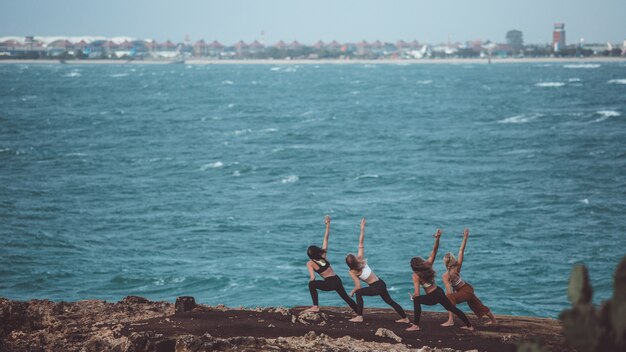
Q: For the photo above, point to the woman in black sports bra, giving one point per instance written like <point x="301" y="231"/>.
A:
<point x="319" y="264"/>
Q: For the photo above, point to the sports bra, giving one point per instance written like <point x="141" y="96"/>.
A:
<point x="323" y="264"/>
<point x="365" y="273"/>
<point x="456" y="281"/>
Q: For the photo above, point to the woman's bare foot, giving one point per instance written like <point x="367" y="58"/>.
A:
<point x="448" y="323"/>
<point x="357" y="319"/>
<point x="313" y="309"/>
<point x="492" y="319"/>
<point x="413" y="327"/>
<point x="470" y="328"/>
<point x="403" y="320"/>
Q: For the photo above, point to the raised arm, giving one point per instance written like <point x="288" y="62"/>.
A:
<point x="459" y="261"/>
<point x="326" y="233"/>
<point x="433" y="254"/>
<point x="361" y="239"/>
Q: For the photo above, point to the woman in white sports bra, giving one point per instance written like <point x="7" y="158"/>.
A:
<point x="359" y="270"/>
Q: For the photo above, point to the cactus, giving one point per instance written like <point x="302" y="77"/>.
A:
<point x="579" y="290"/>
<point x="589" y="330"/>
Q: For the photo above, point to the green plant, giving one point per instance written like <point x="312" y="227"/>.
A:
<point x="587" y="329"/>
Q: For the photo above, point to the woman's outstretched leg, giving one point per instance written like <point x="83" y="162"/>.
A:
<point x="387" y="298"/>
<point x="445" y="302"/>
<point x="344" y="295"/>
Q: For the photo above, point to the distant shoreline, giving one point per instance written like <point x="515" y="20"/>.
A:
<point x="326" y="62"/>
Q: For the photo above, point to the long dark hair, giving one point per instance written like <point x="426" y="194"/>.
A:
<point x="315" y="253"/>
<point x="423" y="269"/>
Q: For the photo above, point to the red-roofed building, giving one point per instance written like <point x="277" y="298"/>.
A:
<point x="200" y="48"/>
<point x="280" y="45"/>
<point x="319" y="45"/>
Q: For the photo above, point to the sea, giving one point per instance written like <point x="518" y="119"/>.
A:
<point x="212" y="180"/>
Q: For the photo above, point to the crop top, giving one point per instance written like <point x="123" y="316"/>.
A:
<point x="455" y="280"/>
<point x="323" y="264"/>
<point x="365" y="273"/>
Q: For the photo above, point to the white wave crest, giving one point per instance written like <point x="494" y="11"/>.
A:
<point x="428" y="81"/>
<point x="617" y="81"/>
<point x="523" y="118"/>
<point x="550" y="84"/>
<point x="240" y="132"/>
<point x="605" y="114"/>
<point x="290" y="179"/>
<point x="574" y="80"/>
<point x="72" y="74"/>
<point x="275" y="69"/>
<point x="582" y="66"/>
<point x="214" y="165"/>
<point x="227" y="82"/>
<point x="116" y="75"/>
<point x="584" y="201"/>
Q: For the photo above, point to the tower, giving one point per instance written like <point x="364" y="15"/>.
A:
<point x="558" y="36"/>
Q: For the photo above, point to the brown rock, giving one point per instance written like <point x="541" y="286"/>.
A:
<point x="184" y="304"/>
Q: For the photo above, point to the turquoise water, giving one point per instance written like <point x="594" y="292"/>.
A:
<point x="212" y="181"/>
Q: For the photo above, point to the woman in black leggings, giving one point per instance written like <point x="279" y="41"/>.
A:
<point x="319" y="264"/>
<point x="424" y="275"/>
<point x="377" y="287"/>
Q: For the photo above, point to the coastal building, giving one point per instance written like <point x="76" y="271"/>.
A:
<point x="558" y="37"/>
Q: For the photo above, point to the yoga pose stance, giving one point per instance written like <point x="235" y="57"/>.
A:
<point x="458" y="290"/>
<point x="424" y="275"/>
<point x="359" y="270"/>
<point x="319" y="264"/>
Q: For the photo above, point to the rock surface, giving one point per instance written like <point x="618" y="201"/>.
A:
<point x="137" y="324"/>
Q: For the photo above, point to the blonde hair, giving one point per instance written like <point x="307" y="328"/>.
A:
<point x="449" y="260"/>
<point x="355" y="263"/>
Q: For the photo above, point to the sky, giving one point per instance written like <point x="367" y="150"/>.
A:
<point x="432" y="21"/>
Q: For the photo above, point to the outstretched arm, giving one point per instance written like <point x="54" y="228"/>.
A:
<point x="433" y="254"/>
<point x="361" y="239"/>
<point x="459" y="261"/>
<point x="357" y="283"/>
<point x="326" y="233"/>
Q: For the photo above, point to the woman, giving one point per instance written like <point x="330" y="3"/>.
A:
<point x="424" y="275"/>
<point x="359" y="270"/>
<point x="458" y="290"/>
<point x="319" y="264"/>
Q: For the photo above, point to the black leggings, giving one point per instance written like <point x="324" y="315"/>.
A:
<point x="378" y="288"/>
<point x="437" y="296"/>
<point x="332" y="283"/>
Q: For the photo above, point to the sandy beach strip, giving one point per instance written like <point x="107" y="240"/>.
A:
<point x="195" y="61"/>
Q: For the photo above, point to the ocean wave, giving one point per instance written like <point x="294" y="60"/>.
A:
<point x="550" y="84"/>
<point x="427" y="81"/>
<point x="227" y="82"/>
<point x="275" y="69"/>
<point x="214" y="165"/>
<point x="72" y="74"/>
<point x="605" y="114"/>
<point x="574" y="80"/>
<point x="240" y="132"/>
<point x="523" y="118"/>
<point x="618" y="81"/>
<point x="366" y="176"/>
<point x="582" y="66"/>
<point x="290" y="179"/>
<point x="584" y="201"/>
<point x="115" y="75"/>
